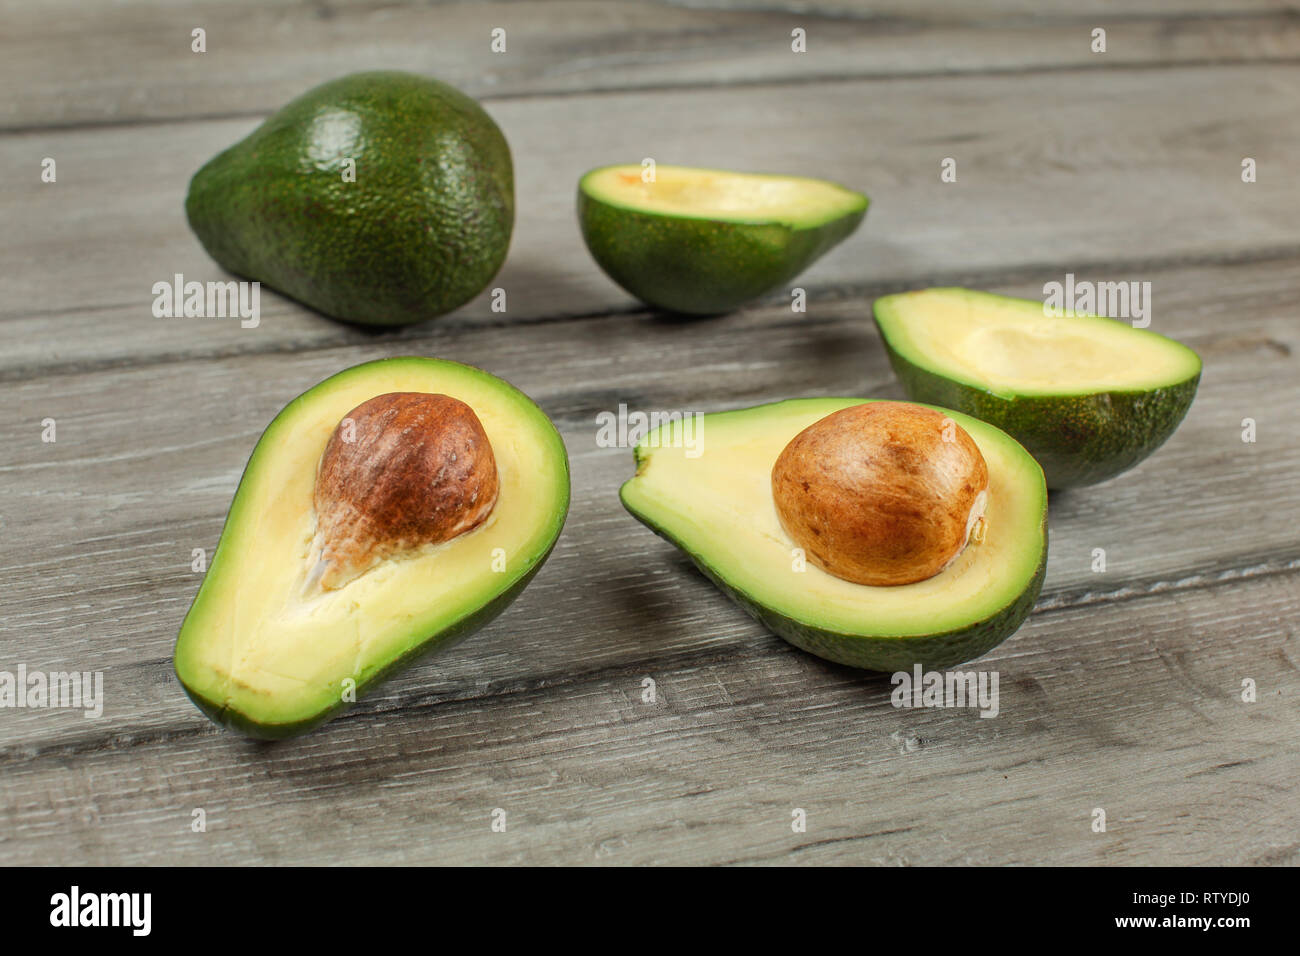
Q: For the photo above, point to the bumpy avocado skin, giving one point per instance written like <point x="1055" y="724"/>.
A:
<point x="701" y="266"/>
<point x="1078" y="440"/>
<point x="421" y="231"/>
<point x="886" y="654"/>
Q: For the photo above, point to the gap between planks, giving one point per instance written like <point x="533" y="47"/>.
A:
<point x="753" y="84"/>
<point x="351" y="336"/>
<point x="375" y="706"/>
<point x="649" y="47"/>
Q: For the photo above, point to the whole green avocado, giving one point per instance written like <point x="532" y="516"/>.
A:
<point x="380" y="198"/>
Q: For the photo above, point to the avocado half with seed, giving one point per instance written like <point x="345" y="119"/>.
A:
<point x="1089" y="397"/>
<point x="703" y="241"/>
<point x="720" y="508"/>
<point x="384" y="514"/>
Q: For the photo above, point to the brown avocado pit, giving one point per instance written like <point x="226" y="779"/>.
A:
<point x="882" y="494"/>
<point x="401" y="471"/>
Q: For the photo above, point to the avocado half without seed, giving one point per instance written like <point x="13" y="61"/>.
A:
<point x="1089" y="397"/>
<point x="379" y="198"/>
<point x="704" y="241"/>
<point x="385" y="513"/>
<point x="876" y="534"/>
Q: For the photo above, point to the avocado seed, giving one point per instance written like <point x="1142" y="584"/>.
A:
<point x="401" y="471"/>
<point x="882" y="493"/>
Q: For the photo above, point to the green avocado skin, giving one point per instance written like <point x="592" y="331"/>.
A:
<point x="1077" y="439"/>
<point x="435" y="644"/>
<point x="422" y="230"/>
<point x="701" y="266"/>
<point x="443" y="639"/>
<point x="886" y="654"/>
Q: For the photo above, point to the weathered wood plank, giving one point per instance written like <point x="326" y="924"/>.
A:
<point x="1121" y="692"/>
<point x="98" y="528"/>
<point x="1133" y="707"/>
<point x="1071" y="192"/>
<point x="69" y="62"/>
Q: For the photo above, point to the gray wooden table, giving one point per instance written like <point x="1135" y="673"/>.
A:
<point x="1122" y="692"/>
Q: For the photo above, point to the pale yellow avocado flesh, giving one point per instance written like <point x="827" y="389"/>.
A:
<point x="256" y="643"/>
<point x="692" y="193"/>
<point x="1010" y="346"/>
<point x="715" y="502"/>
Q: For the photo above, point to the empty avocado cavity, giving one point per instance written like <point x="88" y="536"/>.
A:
<point x="701" y="241"/>
<point x="1088" y="396"/>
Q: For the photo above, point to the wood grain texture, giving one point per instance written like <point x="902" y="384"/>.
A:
<point x="148" y="459"/>
<point x="1132" y="707"/>
<point x="1076" y="172"/>
<point x="1121" y="692"/>
<point x="259" y="55"/>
